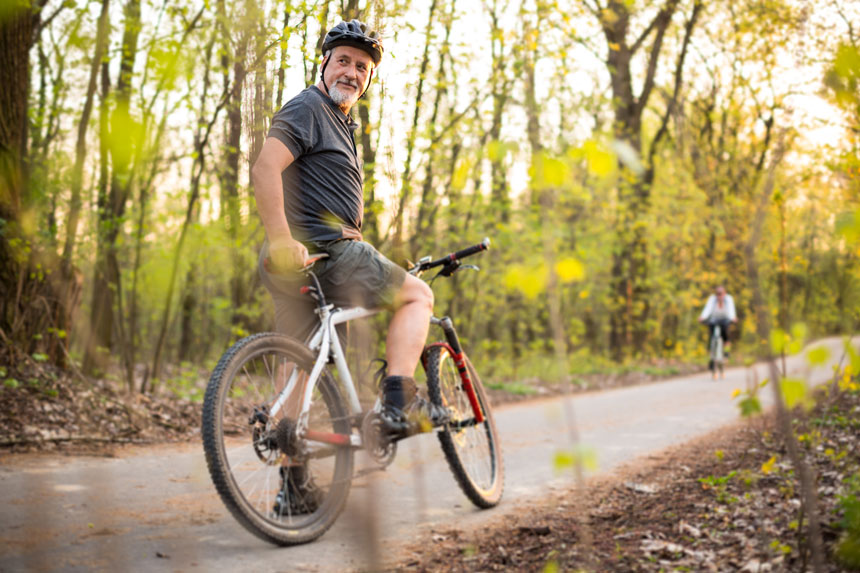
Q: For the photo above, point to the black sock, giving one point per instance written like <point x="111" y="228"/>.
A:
<point x="398" y="391"/>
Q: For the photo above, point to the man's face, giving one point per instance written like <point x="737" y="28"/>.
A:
<point x="347" y="74"/>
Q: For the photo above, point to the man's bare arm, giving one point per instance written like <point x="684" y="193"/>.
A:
<point x="284" y="251"/>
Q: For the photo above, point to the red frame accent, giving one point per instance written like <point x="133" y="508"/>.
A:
<point x="460" y="362"/>
<point x="328" y="438"/>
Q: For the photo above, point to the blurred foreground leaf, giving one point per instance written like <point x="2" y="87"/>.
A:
<point x="581" y="455"/>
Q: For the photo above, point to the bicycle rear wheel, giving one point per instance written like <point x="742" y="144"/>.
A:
<point x="248" y="450"/>
<point x="471" y="448"/>
<point x="712" y="354"/>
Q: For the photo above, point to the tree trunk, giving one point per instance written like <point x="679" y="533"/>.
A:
<point x="323" y="26"/>
<point x="189" y="303"/>
<point x="406" y="180"/>
<point x="282" y="67"/>
<point x="630" y="307"/>
<point x="428" y="197"/>
<point x="29" y="303"/>
<point x="370" y="223"/>
<point x="501" y="88"/>
<point x="81" y="144"/>
<point x="106" y="275"/>
<point x="16" y="37"/>
<point x="201" y="140"/>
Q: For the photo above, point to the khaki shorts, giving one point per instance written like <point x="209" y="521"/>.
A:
<point x="355" y="274"/>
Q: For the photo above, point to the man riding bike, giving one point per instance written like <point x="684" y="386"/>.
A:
<point x="308" y="183"/>
<point x="719" y="310"/>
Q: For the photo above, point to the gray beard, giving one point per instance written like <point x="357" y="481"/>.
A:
<point x="341" y="99"/>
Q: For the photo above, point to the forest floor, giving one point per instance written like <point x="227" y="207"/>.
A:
<point x="724" y="502"/>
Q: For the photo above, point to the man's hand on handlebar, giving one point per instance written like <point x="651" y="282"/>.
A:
<point x="286" y="255"/>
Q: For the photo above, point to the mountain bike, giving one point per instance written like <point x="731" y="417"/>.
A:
<point x="273" y="405"/>
<point x="715" y="350"/>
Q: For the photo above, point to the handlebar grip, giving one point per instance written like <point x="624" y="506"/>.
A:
<point x="482" y="246"/>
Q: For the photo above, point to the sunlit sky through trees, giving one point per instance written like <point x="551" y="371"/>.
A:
<point x="797" y="72"/>
<point x="618" y="186"/>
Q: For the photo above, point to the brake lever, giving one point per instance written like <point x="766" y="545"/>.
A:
<point x="470" y="267"/>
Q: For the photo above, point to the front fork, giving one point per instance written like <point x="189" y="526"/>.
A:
<point x="455" y="349"/>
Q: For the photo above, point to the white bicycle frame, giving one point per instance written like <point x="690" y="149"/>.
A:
<point x="717" y="343"/>
<point x="326" y="344"/>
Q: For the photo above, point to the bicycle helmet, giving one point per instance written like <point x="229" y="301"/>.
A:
<point x="354" y="33"/>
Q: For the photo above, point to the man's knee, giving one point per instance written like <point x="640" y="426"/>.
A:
<point x="415" y="291"/>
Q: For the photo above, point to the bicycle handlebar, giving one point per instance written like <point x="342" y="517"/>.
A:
<point x="456" y="256"/>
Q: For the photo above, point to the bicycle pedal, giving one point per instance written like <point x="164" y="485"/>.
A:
<point x="378" y="441"/>
<point x="395" y="429"/>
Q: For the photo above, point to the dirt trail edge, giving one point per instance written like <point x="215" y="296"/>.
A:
<point x="156" y="510"/>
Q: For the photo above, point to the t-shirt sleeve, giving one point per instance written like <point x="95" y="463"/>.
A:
<point x="294" y="126"/>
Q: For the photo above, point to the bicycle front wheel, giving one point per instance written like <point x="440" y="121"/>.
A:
<point x="282" y="487"/>
<point x="471" y="447"/>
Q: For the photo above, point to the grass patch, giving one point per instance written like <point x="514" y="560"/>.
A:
<point x="518" y="388"/>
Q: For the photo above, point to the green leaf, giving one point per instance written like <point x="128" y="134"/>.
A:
<point x="498" y="150"/>
<point x="847" y="62"/>
<point x="569" y="270"/>
<point x="749" y="406"/>
<point x="778" y="340"/>
<point x="852" y="355"/>
<point x="798" y="338"/>
<point x="600" y="161"/>
<point x="848" y="226"/>
<point x="566" y="459"/>
<point x="548" y="172"/>
<point x="461" y="174"/>
<point x="11" y="383"/>
<point x="818" y="356"/>
<point x="794" y="392"/>
<point x="531" y="281"/>
<point x="39" y="357"/>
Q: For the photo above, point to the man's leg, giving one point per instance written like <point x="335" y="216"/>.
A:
<point x="408" y="329"/>
<point x="724" y="328"/>
<point x="407" y="333"/>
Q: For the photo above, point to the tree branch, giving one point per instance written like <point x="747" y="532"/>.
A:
<point x="662" y="19"/>
<point x="595" y="10"/>
<point x="456" y="119"/>
<point x="670" y="107"/>
<point x="638" y="43"/>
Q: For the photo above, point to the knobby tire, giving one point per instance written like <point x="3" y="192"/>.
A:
<point x="246" y="473"/>
<point x="473" y="452"/>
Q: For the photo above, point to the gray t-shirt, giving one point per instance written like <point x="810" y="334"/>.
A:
<point x="323" y="191"/>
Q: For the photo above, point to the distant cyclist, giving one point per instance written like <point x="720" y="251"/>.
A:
<point x="720" y="309"/>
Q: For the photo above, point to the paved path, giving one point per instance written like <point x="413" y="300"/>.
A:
<point x="156" y="510"/>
